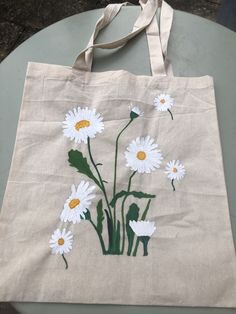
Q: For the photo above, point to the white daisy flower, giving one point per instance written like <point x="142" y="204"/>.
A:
<point x="61" y="241"/>
<point x="175" y="171"/>
<point x="135" y="112"/>
<point x="142" y="155"/>
<point x="82" y="123"/>
<point x="164" y="102"/>
<point x="142" y="228"/>
<point x="77" y="204"/>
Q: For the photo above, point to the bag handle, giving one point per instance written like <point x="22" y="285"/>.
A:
<point x="84" y="60"/>
<point x="154" y="45"/>
<point x="110" y="11"/>
<point x="158" y="39"/>
<point x="166" y="19"/>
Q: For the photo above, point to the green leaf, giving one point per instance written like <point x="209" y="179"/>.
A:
<point x="117" y="241"/>
<point x="133" y="193"/>
<point x="77" y="160"/>
<point x="133" y="214"/>
<point x="100" y="216"/>
<point x="110" y="229"/>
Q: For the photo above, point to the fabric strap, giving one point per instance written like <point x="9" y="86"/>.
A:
<point x="109" y="13"/>
<point x="166" y="19"/>
<point x="154" y="45"/>
<point x="157" y="40"/>
<point x="83" y="61"/>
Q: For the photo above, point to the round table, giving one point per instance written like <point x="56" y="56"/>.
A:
<point x="197" y="47"/>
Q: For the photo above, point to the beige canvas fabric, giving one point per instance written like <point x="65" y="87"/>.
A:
<point x="189" y="259"/>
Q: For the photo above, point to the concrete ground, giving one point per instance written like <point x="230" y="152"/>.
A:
<point x="20" y="19"/>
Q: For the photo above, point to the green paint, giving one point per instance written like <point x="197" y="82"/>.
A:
<point x="130" y="193"/>
<point x="99" y="236"/>
<point x="133" y="115"/>
<point x="117" y="239"/>
<point x="116" y="244"/>
<point x="101" y="185"/>
<point x="110" y="231"/>
<point x="144" y="240"/>
<point x="170" y="114"/>
<point x="64" y="259"/>
<point x="172" y="183"/>
<point x="136" y="247"/>
<point x="123" y="212"/>
<point x="143" y="217"/>
<point x="115" y="166"/>
<point x="132" y="214"/>
<point x="78" y="161"/>
<point x="100" y="216"/>
<point x="116" y="155"/>
<point x="87" y="215"/>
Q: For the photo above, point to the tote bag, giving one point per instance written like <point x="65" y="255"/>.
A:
<point x="116" y="192"/>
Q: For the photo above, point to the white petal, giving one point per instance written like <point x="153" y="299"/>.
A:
<point x="72" y="117"/>
<point x="153" y="156"/>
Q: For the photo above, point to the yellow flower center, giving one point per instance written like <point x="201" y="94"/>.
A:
<point x="73" y="203"/>
<point x="162" y="101"/>
<point x="175" y="170"/>
<point x="82" y="124"/>
<point x="141" y="155"/>
<point x="61" y="241"/>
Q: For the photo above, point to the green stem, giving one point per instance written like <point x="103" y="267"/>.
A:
<point x="145" y="240"/>
<point x="123" y="214"/>
<point x="170" y="114"/>
<point x="115" y="166"/>
<point x="142" y="218"/>
<point x="100" y="178"/>
<point x="172" y="183"/>
<point x="146" y="210"/>
<point x="136" y="247"/>
<point x="99" y="236"/>
<point x="63" y="256"/>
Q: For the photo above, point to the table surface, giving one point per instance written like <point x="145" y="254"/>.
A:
<point x="197" y="47"/>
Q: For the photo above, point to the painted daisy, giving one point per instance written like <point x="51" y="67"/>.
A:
<point x="142" y="155"/>
<point x="82" y="123"/>
<point x="61" y="243"/>
<point x="77" y="204"/>
<point x="164" y="102"/>
<point x="175" y="171"/>
<point x="143" y="230"/>
<point x="135" y="112"/>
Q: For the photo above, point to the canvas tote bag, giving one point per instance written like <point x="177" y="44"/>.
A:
<point x="116" y="192"/>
